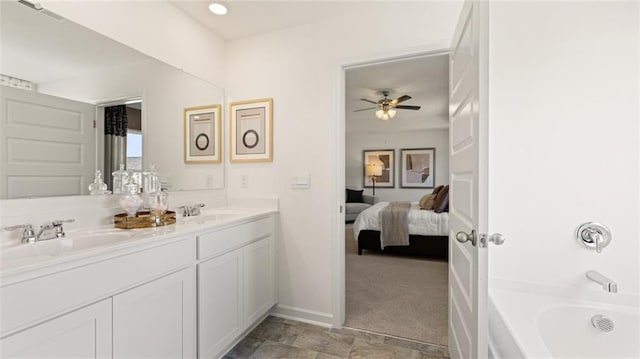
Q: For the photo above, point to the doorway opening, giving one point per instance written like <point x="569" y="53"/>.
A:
<point x="402" y="295"/>
<point x="121" y="138"/>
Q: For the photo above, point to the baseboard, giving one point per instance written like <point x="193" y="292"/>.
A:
<point x="303" y="315"/>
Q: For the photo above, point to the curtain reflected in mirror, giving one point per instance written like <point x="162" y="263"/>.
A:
<point x="115" y="142"/>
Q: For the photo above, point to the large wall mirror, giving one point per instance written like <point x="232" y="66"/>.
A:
<point x="48" y="143"/>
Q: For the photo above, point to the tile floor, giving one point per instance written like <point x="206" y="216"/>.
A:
<point x="277" y="338"/>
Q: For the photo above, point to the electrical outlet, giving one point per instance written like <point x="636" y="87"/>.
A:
<point x="209" y="181"/>
<point x="244" y="181"/>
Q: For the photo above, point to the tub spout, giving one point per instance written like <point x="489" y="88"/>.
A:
<point x="607" y="284"/>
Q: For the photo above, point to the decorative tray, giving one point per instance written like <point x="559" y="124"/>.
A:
<point x="144" y="219"/>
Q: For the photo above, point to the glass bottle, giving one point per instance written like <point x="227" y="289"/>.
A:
<point x="151" y="180"/>
<point x="131" y="201"/>
<point x="98" y="186"/>
<point x="120" y="178"/>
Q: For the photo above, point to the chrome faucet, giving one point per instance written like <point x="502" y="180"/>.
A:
<point x="193" y="210"/>
<point x="606" y="283"/>
<point x="47" y="231"/>
<point x="52" y="230"/>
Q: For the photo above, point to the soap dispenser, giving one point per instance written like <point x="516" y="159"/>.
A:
<point x="131" y="201"/>
<point x="98" y="186"/>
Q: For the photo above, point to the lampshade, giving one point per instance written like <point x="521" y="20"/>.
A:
<point x="384" y="112"/>
<point x="374" y="169"/>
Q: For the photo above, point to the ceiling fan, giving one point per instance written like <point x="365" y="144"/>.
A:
<point x="386" y="107"/>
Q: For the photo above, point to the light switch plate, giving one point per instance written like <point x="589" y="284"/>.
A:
<point x="300" y="181"/>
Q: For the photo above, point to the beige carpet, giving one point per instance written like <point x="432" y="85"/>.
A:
<point x="396" y="295"/>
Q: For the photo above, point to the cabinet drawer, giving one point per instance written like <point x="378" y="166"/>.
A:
<point x="224" y="240"/>
<point x="26" y="303"/>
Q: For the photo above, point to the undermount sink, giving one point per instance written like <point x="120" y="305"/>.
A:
<point x="26" y="253"/>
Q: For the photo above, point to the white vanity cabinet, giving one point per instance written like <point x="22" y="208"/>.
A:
<point x="176" y="296"/>
<point x="138" y="303"/>
<point x="156" y="319"/>
<point x="236" y="282"/>
<point x="82" y="333"/>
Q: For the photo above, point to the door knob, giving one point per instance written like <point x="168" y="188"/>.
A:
<point x="496" y="238"/>
<point x="463" y="237"/>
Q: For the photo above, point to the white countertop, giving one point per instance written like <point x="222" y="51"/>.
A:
<point x="86" y="245"/>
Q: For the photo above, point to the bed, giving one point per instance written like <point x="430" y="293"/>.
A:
<point x="428" y="232"/>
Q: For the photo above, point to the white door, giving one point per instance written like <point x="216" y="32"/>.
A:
<point x="157" y="319"/>
<point x="48" y="145"/>
<point x="83" y="333"/>
<point x="468" y="203"/>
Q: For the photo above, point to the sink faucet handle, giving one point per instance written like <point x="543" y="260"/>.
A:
<point x="58" y="226"/>
<point x="28" y="235"/>
<point x="195" y="209"/>
<point x="20" y="226"/>
<point x="185" y="210"/>
<point x="59" y="222"/>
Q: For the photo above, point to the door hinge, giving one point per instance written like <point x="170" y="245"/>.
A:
<point x="340" y="208"/>
<point x="94" y="123"/>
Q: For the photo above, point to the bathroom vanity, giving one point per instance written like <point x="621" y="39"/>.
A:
<point x="187" y="290"/>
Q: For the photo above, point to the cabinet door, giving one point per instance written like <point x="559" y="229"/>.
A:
<point x="83" y="333"/>
<point x="157" y="319"/>
<point x="219" y="303"/>
<point x="259" y="281"/>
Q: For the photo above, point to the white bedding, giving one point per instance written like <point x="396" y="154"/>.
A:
<point x="421" y="222"/>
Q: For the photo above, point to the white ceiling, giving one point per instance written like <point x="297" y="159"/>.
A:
<point x="249" y="18"/>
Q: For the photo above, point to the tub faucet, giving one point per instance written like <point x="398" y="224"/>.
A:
<point x="607" y="284"/>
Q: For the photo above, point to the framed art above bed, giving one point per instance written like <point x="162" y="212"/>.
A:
<point x="384" y="159"/>
<point x="417" y="167"/>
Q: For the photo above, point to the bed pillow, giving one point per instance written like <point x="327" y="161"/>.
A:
<point x="354" y="196"/>
<point x="437" y="189"/>
<point x="440" y="197"/>
<point x="426" y="202"/>
<point x="444" y="206"/>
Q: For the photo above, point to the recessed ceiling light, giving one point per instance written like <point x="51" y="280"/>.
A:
<point x="217" y="8"/>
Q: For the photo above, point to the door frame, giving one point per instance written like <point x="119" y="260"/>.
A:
<point x="338" y="239"/>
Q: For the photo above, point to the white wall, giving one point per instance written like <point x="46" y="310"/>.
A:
<point x="165" y="92"/>
<point x="564" y="141"/>
<point x="357" y="142"/>
<point x="155" y="28"/>
<point x="299" y="68"/>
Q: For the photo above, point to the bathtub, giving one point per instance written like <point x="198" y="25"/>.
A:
<point x="526" y="325"/>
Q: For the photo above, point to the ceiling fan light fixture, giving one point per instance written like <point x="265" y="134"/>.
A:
<point x="385" y="112"/>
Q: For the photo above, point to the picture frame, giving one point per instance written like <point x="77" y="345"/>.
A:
<point x="417" y="167"/>
<point x="385" y="159"/>
<point x="251" y="130"/>
<point x="202" y="134"/>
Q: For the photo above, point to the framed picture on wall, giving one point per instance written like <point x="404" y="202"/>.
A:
<point x="202" y="134"/>
<point x="251" y="130"/>
<point x="417" y="167"/>
<point x="378" y="167"/>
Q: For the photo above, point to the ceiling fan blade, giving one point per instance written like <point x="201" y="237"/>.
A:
<point x="405" y="107"/>
<point x="400" y="99"/>
<point x="365" y="100"/>
<point x="365" y="109"/>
